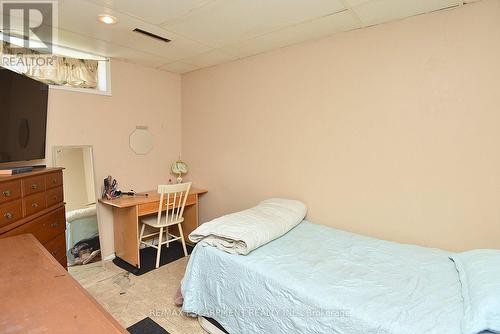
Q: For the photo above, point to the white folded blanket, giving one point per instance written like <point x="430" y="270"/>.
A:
<point x="244" y="231"/>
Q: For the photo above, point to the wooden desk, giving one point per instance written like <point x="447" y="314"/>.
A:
<point x="127" y="211"/>
<point x="39" y="296"/>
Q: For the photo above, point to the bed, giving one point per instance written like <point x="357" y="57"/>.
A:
<point x="80" y="224"/>
<point x="317" y="279"/>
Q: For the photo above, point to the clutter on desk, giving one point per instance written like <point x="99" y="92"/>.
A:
<point x="110" y="190"/>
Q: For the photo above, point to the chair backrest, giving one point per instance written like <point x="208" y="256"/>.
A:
<point x="173" y="197"/>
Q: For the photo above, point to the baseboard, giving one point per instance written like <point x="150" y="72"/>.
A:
<point x="109" y="258"/>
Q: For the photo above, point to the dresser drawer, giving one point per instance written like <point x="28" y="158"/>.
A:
<point x="54" y="196"/>
<point x="33" y="185"/>
<point x="34" y="203"/>
<point x="64" y="262"/>
<point x="10" y="191"/>
<point x="10" y="212"/>
<point x="53" y="180"/>
<point x="57" y="246"/>
<point x="44" y="228"/>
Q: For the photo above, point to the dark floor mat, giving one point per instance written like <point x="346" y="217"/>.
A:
<point x="146" y="326"/>
<point x="148" y="258"/>
<point x="216" y="324"/>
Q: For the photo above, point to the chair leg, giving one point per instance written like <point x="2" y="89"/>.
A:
<point x="142" y="233"/>
<point x="167" y="236"/>
<point x="181" y="234"/>
<point x="159" y="247"/>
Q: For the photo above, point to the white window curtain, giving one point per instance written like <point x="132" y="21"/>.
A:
<point x="51" y="69"/>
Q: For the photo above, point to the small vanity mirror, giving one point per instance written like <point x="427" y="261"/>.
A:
<point x="82" y="233"/>
<point x="141" y="140"/>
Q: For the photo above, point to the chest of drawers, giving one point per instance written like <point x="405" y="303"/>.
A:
<point x="34" y="203"/>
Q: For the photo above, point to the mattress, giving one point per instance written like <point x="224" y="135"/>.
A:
<point x="317" y="279"/>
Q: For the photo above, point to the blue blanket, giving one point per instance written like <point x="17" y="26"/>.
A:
<point x="317" y="279"/>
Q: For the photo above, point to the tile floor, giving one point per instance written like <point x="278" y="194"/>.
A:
<point x="132" y="298"/>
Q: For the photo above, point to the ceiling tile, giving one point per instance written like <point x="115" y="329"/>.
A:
<point x="209" y="32"/>
<point x="229" y="21"/>
<point x="314" y="29"/>
<point x="81" y="17"/>
<point x="154" y="11"/>
<point x="104" y="48"/>
<point x="178" y="67"/>
<point x="211" y="58"/>
<point x="353" y="3"/>
<point x="379" y="11"/>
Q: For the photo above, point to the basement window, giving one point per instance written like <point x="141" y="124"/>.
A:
<point x="63" y="69"/>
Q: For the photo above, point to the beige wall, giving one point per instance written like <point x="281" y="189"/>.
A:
<point x="390" y="131"/>
<point x="141" y="96"/>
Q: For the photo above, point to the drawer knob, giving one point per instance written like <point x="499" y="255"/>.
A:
<point x="54" y="181"/>
<point x="34" y="186"/>
<point x="54" y="225"/>
<point x="8" y="216"/>
<point x="7" y="193"/>
<point x="55" y="197"/>
<point x="34" y="205"/>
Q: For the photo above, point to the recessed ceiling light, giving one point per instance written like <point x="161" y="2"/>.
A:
<point x="107" y="19"/>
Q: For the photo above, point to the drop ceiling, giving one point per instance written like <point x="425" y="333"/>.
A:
<point x="209" y="32"/>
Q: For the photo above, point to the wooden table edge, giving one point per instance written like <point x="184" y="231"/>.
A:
<point x="77" y="285"/>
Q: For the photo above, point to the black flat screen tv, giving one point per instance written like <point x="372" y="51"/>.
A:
<point x="23" y="117"/>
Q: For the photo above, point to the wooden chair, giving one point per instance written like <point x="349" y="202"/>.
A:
<point x="172" y="201"/>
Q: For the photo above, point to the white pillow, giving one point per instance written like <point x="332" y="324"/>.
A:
<point x="479" y="272"/>
<point x="242" y="232"/>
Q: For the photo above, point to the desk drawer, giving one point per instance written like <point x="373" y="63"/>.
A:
<point x="57" y="246"/>
<point x="10" y="212"/>
<point x="33" y="185"/>
<point x="44" y="228"/>
<point x="34" y="203"/>
<point x="152" y="207"/>
<point x="54" y="196"/>
<point x="10" y="191"/>
<point x="53" y="180"/>
<point x="148" y="208"/>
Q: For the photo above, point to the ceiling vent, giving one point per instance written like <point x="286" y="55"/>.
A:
<point x="150" y="34"/>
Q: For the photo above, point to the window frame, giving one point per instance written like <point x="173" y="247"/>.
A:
<point x="103" y="86"/>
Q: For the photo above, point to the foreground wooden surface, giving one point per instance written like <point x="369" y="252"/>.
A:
<point x="39" y="296"/>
